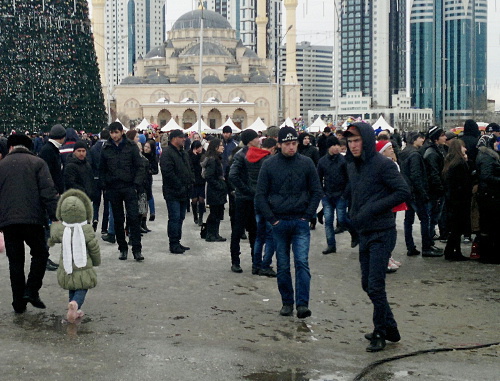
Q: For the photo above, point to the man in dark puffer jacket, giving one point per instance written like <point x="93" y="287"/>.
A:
<point x="78" y="171"/>
<point x="288" y="193"/>
<point x="27" y="193"/>
<point x="375" y="187"/>
<point x="121" y="172"/>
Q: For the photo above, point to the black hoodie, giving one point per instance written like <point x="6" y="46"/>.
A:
<point x="375" y="186"/>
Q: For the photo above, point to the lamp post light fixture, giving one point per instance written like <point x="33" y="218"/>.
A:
<point x="278" y="87"/>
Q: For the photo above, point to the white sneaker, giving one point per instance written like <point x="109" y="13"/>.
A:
<point x="393" y="261"/>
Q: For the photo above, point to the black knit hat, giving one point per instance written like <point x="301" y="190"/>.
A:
<point x="79" y="144"/>
<point x="176" y="134"/>
<point x="227" y="129"/>
<point x="57" y="132"/>
<point x="248" y="135"/>
<point x="19" y="140"/>
<point x="332" y="141"/>
<point x="434" y="132"/>
<point x="287" y="134"/>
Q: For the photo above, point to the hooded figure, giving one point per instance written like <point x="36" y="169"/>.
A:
<point x="471" y="137"/>
<point x="80" y="250"/>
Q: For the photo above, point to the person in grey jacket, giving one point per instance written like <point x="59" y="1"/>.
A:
<point x="375" y="187"/>
<point x="287" y="195"/>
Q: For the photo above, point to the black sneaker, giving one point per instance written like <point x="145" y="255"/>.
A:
<point x="138" y="256"/>
<point x="267" y="272"/>
<point x="330" y="250"/>
<point x="109" y="238"/>
<point x="123" y="255"/>
<point x="391" y="334"/>
<point x="286" y="310"/>
<point x="412" y="252"/>
<point x="19" y="306"/>
<point x="255" y="271"/>
<point x="236" y="269"/>
<point x="303" y="312"/>
<point x="34" y="300"/>
<point x="354" y="242"/>
<point x="432" y="252"/>
<point x="377" y="343"/>
<point x="176" y="249"/>
<point x="51" y="266"/>
<point x="185" y="248"/>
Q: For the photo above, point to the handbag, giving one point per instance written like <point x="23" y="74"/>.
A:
<point x="143" y="203"/>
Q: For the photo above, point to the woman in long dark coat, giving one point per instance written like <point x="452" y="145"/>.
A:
<point x="198" y="192"/>
<point x="216" y="189"/>
<point x="458" y="194"/>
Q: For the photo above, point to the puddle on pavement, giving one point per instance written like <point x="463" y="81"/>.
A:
<point x="41" y="322"/>
<point x="294" y="375"/>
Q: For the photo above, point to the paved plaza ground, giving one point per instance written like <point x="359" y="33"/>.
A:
<point x="188" y="317"/>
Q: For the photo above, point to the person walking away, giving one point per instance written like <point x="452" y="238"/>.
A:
<point x="95" y="158"/>
<point x="488" y="198"/>
<point x="178" y="180"/>
<point x="198" y="192"/>
<point x="375" y="187"/>
<point x="69" y="144"/>
<point x="415" y="173"/>
<point x="332" y="172"/>
<point x="434" y="162"/>
<point x="458" y="185"/>
<point x="216" y="188"/>
<point x="244" y="213"/>
<point x="78" y="172"/>
<point x="150" y="154"/>
<point x="120" y="172"/>
<point x="50" y="153"/>
<point x="79" y="251"/>
<point x="287" y="195"/>
<point x="28" y="195"/>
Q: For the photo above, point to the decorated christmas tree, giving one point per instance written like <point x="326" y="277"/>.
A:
<point x="49" y="71"/>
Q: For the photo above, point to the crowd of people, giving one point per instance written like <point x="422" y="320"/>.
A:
<point x="52" y="188"/>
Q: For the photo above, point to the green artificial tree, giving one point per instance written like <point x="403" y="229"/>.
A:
<point x="49" y="72"/>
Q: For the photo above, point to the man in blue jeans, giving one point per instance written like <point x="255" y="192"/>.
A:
<point x="288" y="193"/>
<point x="375" y="187"/>
<point x="178" y="178"/>
<point x="332" y="173"/>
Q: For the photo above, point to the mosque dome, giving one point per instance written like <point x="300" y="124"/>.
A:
<point x="158" y="79"/>
<point x="131" y="80"/>
<point x="210" y="79"/>
<point x="157" y="51"/>
<point x="211" y="20"/>
<point x="259" y="79"/>
<point x="234" y="79"/>
<point x="209" y="49"/>
<point x="186" y="80"/>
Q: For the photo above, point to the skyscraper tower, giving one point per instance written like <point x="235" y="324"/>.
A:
<point x="132" y="28"/>
<point x="372" y="54"/>
<point x="448" y="58"/>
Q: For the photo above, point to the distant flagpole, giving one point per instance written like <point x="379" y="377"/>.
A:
<point x="200" y="85"/>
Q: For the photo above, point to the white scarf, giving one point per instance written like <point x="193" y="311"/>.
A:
<point x="74" y="248"/>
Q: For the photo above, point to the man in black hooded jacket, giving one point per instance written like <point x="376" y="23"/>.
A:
<point x="375" y="187"/>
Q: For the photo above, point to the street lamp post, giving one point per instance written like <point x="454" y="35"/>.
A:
<point x="278" y="87"/>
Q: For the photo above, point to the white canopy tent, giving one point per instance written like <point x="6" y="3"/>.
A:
<point x="288" y="122"/>
<point x="382" y="123"/>
<point x="144" y="125"/>
<point x="170" y="126"/>
<point x="258" y="125"/>
<point x="318" y="126"/>
<point x="194" y="127"/>
<point x="229" y="122"/>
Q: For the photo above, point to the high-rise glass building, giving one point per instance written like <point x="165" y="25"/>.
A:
<point x="371" y="55"/>
<point x="448" y="58"/>
<point x="132" y="28"/>
<point x="314" y="74"/>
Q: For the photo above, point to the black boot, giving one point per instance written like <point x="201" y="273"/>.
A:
<point x="201" y="210"/>
<point x="144" y="227"/>
<point x="210" y="231"/>
<point x="313" y="223"/>
<point x="219" y="238"/>
<point x="195" y="212"/>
